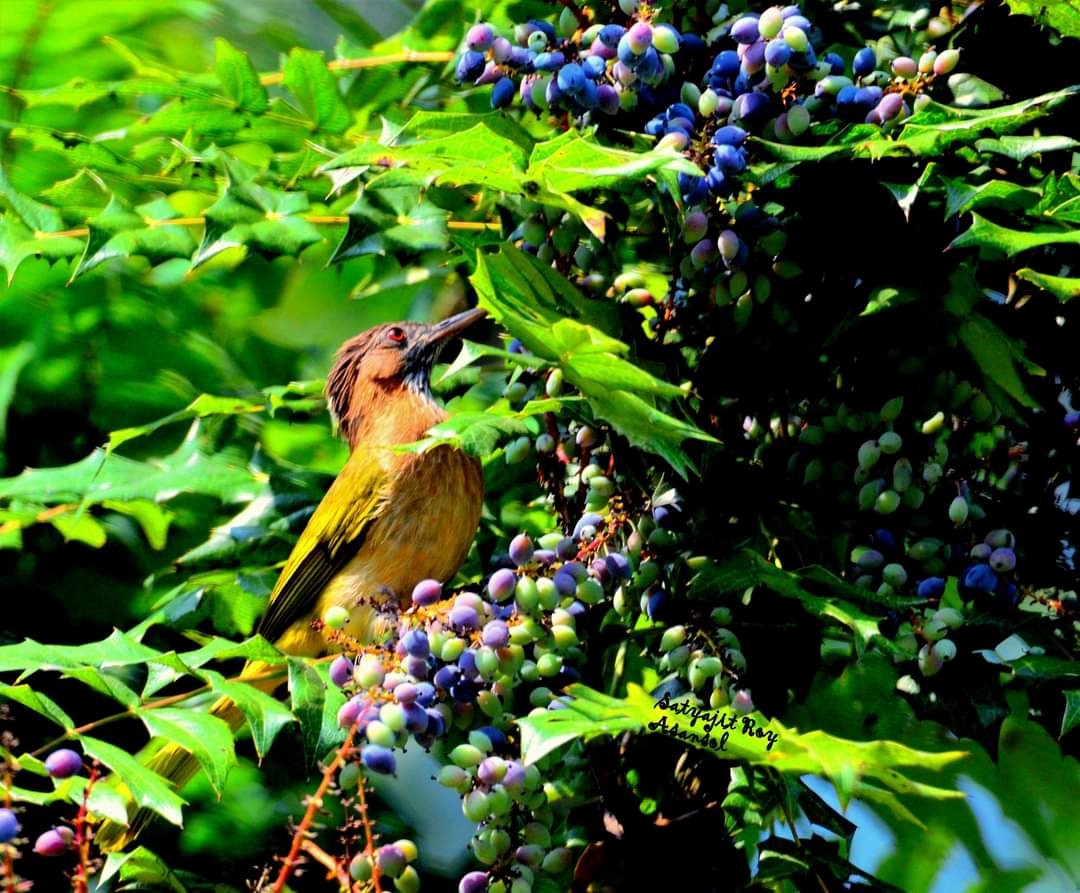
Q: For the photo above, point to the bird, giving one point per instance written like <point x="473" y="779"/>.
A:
<point x="390" y="519"/>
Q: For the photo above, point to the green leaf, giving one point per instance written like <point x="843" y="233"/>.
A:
<point x="753" y="738"/>
<point x="119" y="232"/>
<point x="571" y="162"/>
<point x="962" y="198"/>
<point x="118" y="650"/>
<point x="936" y="127"/>
<point x="1070" y="719"/>
<point x="265" y="715"/>
<point x="103" y="476"/>
<point x="147" y="789"/>
<point x="1019" y="148"/>
<point x="141" y="869"/>
<point x="307" y="696"/>
<point x="1061" y="287"/>
<point x="992" y="240"/>
<point x="205" y="736"/>
<point x="39" y="703"/>
<point x="1061" y="15"/>
<point x="316" y="90"/>
<point x="536" y="305"/>
<point x="996" y="355"/>
<point x="238" y="77"/>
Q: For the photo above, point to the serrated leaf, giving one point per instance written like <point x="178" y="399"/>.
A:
<point x="239" y="80"/>
<point x="1064" y="288"/>
<point x="1020" y="148"/>
<point x="307" y="697"/>
<point x="39" y="703"/>
<point x="147" y="788"/>
<point x="993" y="240"/>
<point x="316" y="91"/>
<point x="1070" y="719"/>
<point x="102" y="476"/>
<point x="996" y="355"/>
<point x="265" y="715"/>
<point x="1061" y="15"/>
<point x="203" y="735"/>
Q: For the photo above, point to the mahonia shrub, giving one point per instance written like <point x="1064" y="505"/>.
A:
<point x="775" y="583"/>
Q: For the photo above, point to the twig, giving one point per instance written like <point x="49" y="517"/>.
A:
<point x="276" y="77"/>
<point x="80" y="884"/>
<point x="314" y="805"/>
<point x="328" y="862"/>
<point x="369" y="835"/>
<point x="332" y="219"/>
<point x="10" y="883"/>
<point x="278" y="673"/>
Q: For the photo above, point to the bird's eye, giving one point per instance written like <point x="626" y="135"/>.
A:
<point x="396" y="334"/>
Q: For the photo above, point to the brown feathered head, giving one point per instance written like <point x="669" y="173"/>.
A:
<point x="388" y="361"/>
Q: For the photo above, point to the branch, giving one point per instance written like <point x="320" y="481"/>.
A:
<point x="314" y="805"/>
<point x="276" y="77"/>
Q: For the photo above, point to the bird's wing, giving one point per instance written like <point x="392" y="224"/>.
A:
<point x="333" y="535"/>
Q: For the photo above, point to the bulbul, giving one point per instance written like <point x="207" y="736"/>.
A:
<point x="389" y="520"/>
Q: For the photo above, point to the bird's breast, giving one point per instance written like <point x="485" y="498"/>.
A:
<point x="431" y="511"/>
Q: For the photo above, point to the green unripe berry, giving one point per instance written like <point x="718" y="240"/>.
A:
<point x="890" y="442"/>
<point x="466" y="756"/>
<point x="958" y="511"/>
<point x="888" y="501"/>
<point x="336" y="617"/>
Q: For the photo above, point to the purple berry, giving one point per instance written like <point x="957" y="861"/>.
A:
<point x="502" y="94"/>
<point x="379" y="759"/>
<point x="470" y="66"/>
<point x="496" y="634"/>
<point x="63" y="763"/>
<point x="390" y="859"/>
<point x="480" y="37"/>
<point x="864" y="63"/>
<point x="501" y="585"/>
<point x="53" y="842"/>
<point x="980" y="577"/>
<point x="521" y="549"/>
<point x="341" y="671"/>
<point x="415" y="642"/>
<point x="416" y="718"/>
<point x="619" y="566"/>
<point x="405" y="693"/>
<point x="473" y="882"/>
<point x="351" y="710"/>
<point x="745" y="29"/>
<point x="417" y="667"/>
<point x="9" y="825"/>
<point x="1003" y="560"/>
<point x="426" y="592"/>
<point x="639" y="37"/>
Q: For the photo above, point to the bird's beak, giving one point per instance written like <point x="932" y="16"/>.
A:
<point x="437" y="335"/>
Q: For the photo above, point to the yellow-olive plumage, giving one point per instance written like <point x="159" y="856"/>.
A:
<point x="389" y="520"/>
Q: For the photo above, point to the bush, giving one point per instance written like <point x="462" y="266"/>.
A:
<point x="774" y="583"/>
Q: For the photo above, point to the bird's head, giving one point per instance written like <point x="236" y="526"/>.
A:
<point x="388" y="364"/>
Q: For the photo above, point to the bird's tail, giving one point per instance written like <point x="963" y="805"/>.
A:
<point x="175" y="764"/>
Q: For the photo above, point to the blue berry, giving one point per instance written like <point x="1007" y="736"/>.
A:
<point x="470" y="66"/>
<point x="379" y="759"/>
<point x="864" y="63"/>
<point x="931" y="587"/>
<point x="9" y="825"/>
<point x="981" y="578"/>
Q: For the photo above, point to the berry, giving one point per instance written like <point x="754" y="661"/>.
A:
<point x="931" y="587"/>
<point x="864" y="63"/>
<point x="341" y="671"/>
<point x="9" y="825"/>
<point x="63" y="763"/>
<point x="54" y="842"/>
<point x="379" y="759"/>
<point x="502" y="94"/>
<point x="1003" y="560"/>
<point x="479" y="37"/>
<point x="521" y="550"/>
<point x="335" y="617"/>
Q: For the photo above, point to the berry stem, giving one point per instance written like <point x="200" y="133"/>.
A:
<point x="80" y="883"/>
<point x="314" y="805"/>
<point x="369" y="834"/>
<point x="328" y="862"/>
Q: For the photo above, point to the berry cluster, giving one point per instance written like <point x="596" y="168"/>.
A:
<point x="767" y="82"/>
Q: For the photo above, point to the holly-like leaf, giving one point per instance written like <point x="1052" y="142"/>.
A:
<point x="205" y="736"/>
<point x="239" y="80"/>
<point x="316" y="91"/>
<point x="147" y="789"/>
